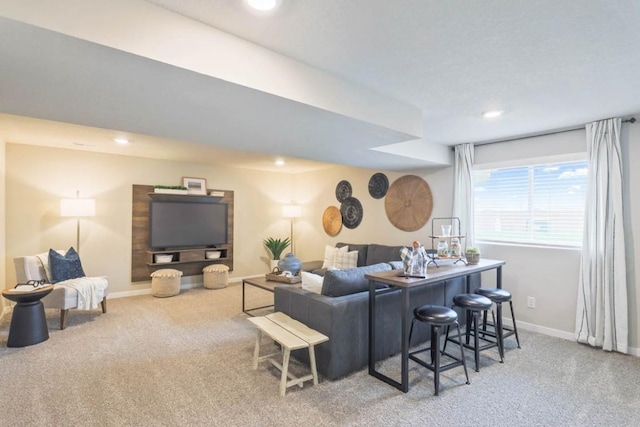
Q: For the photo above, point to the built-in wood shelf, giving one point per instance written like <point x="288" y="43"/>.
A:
<point x="190" y="261"/>
<point x="196" y="198"/>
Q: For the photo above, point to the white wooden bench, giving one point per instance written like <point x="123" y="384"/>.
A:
<point x="291" y="335"/>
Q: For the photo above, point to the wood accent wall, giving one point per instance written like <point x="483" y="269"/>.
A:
<point x="140" y="270"/>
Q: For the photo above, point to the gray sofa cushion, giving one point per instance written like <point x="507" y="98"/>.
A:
<point x="362" y="253"/>
<point x="349" y="281"/>
<point x="382" y="253"/>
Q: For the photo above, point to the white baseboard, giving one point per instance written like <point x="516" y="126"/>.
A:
<point x="570" y="336"/>
<point x="147" y="291"/>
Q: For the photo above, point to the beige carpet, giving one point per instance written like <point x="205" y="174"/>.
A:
<point x="186" y="360"/>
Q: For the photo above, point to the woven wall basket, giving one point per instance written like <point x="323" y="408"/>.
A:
<point x="332" y="221"/>
<point x="409" y="203"/>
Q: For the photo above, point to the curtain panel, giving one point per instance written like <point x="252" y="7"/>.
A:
<point x="463" y="191"/>
<point x="601" y="315"/>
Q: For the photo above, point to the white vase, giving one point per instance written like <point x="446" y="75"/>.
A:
<point x="273" y="263"/>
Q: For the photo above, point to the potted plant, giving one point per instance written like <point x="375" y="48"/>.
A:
<point x="276" y="247"/>
<point x="472" y="254"/>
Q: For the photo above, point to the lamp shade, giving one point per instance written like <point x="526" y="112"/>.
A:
<point x="77" y="207"/>
<point x="292" y="211"/>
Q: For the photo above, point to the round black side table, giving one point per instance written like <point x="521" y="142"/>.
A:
<point x="28" y="322"/>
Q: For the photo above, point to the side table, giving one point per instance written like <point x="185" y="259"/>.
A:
<point x="28" y="322"/>
<point x="261" y="283"/>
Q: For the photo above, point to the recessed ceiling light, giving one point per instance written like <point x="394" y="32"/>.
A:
<point x="491" y="114"/>
<point x="279" y="162"/>
<point x="121" y="141"/>
<point x="263" y="5"/>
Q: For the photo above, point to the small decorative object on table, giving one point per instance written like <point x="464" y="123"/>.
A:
<point x="290" y="263"/>
<point x="414" y="260"/>
<point x="472" y="255"/>
<point x="283" y="276"/>
<point x="443" y="249"/>
<point x="195" y="185"/>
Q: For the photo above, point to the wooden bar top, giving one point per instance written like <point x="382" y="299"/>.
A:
<point x="434" y="274"/>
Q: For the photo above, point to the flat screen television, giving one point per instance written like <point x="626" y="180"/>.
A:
<point x="175" y="225"/>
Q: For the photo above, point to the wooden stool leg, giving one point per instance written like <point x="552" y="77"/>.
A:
<point x="285" y="368"/>
<point x="256" y="351"/>
<point x="312" y="362"/>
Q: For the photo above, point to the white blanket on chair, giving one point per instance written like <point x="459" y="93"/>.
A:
<point x="90" y="290"/>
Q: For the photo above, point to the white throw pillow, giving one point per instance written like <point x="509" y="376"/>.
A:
<point x="346" y="260"/>
<point x="330" y="255"/>
<point x="311" y="282"/>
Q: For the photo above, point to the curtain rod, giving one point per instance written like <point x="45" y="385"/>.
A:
<point x="629" y="120"/>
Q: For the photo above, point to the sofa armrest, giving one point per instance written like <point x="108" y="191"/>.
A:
<point x="311" y="265"/>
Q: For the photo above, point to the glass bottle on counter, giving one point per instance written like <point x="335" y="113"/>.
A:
<point x="443" y="249"/>
<point x="456" y="249"/>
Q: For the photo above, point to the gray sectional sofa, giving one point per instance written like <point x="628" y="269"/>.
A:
<point x="341" y="311"/>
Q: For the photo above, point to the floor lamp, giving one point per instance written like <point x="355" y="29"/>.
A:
<point x="77" y="208"/>
<point x="292" y="212"/>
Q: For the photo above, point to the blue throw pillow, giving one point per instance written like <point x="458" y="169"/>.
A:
<point x="65" y="267"/>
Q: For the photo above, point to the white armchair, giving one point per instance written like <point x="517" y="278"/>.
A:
<point x="64" y="296"/>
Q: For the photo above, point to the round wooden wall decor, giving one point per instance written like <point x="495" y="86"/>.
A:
<point x="332" y="221"/>
<point x="409" y="203"/>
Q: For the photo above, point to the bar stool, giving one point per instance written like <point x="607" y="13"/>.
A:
<point x="500" y="332"/>
<point x="438" y="317"/>
<point x="474" y="304"/>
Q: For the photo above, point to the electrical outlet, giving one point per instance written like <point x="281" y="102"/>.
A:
<point x="531" y="302"/>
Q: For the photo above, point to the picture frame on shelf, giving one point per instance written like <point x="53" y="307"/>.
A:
<point x="195" y="185"/>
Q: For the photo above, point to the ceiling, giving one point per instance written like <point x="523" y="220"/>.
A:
<point x="366" y="83"/>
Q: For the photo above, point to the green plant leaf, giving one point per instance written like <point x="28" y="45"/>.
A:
<point x="276" y="246"/>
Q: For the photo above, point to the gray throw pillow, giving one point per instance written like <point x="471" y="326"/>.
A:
<point x="350" y="281"/>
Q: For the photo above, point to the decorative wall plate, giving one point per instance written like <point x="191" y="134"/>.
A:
<point x="409" y="203"/>
<point x="351" y="210"/>
<point x="378" y="185"/>
<point x="332" y="221"/>
<point x="343" y="191"/>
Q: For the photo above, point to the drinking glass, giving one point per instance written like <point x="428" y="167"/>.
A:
<point x="446" y="230"/>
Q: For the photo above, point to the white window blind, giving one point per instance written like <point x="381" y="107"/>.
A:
<point x="539" y="204"/>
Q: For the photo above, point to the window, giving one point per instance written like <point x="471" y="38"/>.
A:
<point x="539" y="204"/>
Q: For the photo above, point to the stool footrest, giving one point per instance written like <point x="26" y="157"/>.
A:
<point x="430" y="366"/>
